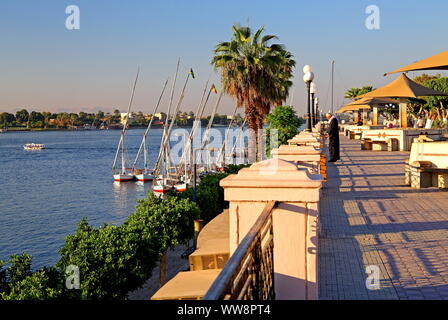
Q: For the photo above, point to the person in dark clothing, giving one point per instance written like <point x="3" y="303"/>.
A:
<point x="333" y="133"/>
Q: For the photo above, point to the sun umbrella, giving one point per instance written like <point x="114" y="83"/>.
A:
<point x="403" y="87"/>
<point x="373" y="101"/>
<point x="349" y="108"/>
<point x="437" y="62"/>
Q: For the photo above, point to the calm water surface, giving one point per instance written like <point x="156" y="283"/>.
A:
<point x="44" y="194"/>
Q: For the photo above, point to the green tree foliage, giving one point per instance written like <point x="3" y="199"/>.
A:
<point x="423" y="78"/>
<point x="353" y="93"/>
<point x="6" y="119"/>
<point x="163" y="223"/>
<point x="18" y="282"/>
<point x="438" y="84"/>
<point x="283" y="119"/>
<point x="22" y="115"/>
<point x="39" y="285"/>
<point x="111" y="260"/>
<point x="210" y="195"/>
<point x="234" y="169"/>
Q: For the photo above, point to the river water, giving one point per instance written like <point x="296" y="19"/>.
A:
<point x="44" y="194"/>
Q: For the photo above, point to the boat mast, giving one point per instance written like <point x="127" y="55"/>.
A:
<point x="224" y="143"/>
<point x="210" y="122"/>
<point x="196" y="124"/>
<point x="238" y="137"/>
<point x="121" y="142"/>
<point x="165" y="139"/>
<point x="143" y="143"/>
<point x="165" y="125"/>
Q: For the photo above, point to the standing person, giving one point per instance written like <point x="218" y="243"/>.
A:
<point x="333" y="133"/>
<point x="420" y="123"/>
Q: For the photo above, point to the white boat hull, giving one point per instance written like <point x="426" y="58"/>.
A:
<point x="123" y="177"/>
<point x="161" y="189"/>
<point x="181" y="187"/>
<point x="143" y="177"/>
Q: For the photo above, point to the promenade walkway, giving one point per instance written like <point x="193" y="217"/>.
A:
<point x="369" y="217"/>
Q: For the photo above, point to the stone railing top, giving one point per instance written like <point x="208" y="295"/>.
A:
<point x="273" y="173"/>
<point x="296" y="150"/>
<point x="314" y="134"/>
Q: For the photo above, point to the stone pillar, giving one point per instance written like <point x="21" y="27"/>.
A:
<point x="294" y="220"/>
<point x="375" y="116"/>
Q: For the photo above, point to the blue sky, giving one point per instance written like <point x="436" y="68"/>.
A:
<point x="44" y="66"/>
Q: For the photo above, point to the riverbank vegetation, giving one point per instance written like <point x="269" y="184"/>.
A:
<point x="23" y="120"/>
<point x="114" y="260"/>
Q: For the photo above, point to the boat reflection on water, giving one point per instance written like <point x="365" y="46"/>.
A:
<point x="125" y="195"/>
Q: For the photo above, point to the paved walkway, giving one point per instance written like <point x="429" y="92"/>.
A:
<point x="370" y="218"/>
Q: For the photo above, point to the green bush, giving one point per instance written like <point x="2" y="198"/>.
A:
<point x="112" y="260"/>
<point x="285" y="121"/>
<point x="209" y="196"/>
<point x="39" y="285"/>
<point x="18" y="282"/>
<point x="162" y="224"/>
<point x="234" y="169"/>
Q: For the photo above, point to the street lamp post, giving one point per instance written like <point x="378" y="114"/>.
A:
<point x="308" y="79"/>
<point x="313" y="91"/>
<point x="316" y="103"/>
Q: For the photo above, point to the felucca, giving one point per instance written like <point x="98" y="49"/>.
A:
<point x="124" y="174"/>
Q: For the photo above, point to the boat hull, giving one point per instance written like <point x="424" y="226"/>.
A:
<point x="160" y="189"/>
<point x="181" y="187"/>
<point x="144" y="177"/>
<point x="123" y="177"/>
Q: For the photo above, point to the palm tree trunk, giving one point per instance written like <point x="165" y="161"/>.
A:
<point x="261" y="141"/>
<point x="252" y="138"/>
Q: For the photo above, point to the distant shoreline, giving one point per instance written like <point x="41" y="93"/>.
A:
<point x="116" y="129"/>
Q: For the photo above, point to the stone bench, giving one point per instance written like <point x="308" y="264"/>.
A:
<point x="378" y="145"/>
<point x="427" y="165"/>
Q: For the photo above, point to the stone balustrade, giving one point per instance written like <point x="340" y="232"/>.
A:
<point x="295" y="220"/>
<point x="292" y="181"/>
<point x="308" y="157"/>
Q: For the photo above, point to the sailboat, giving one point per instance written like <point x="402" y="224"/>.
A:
<point x="168" y="179"/>
<point x="145" y="174"/>
<point x="186" y="162"/>
<point x="122" y="174"/>
<point x="206" y="168"/>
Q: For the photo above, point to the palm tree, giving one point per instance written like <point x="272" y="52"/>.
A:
<point x="354" y="93"/>
<point x="255" y="73"/>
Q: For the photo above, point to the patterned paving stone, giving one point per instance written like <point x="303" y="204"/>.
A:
<point x="370" y="218"/>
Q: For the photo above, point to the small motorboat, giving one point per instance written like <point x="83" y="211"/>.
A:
<point x="33" y="146"/>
